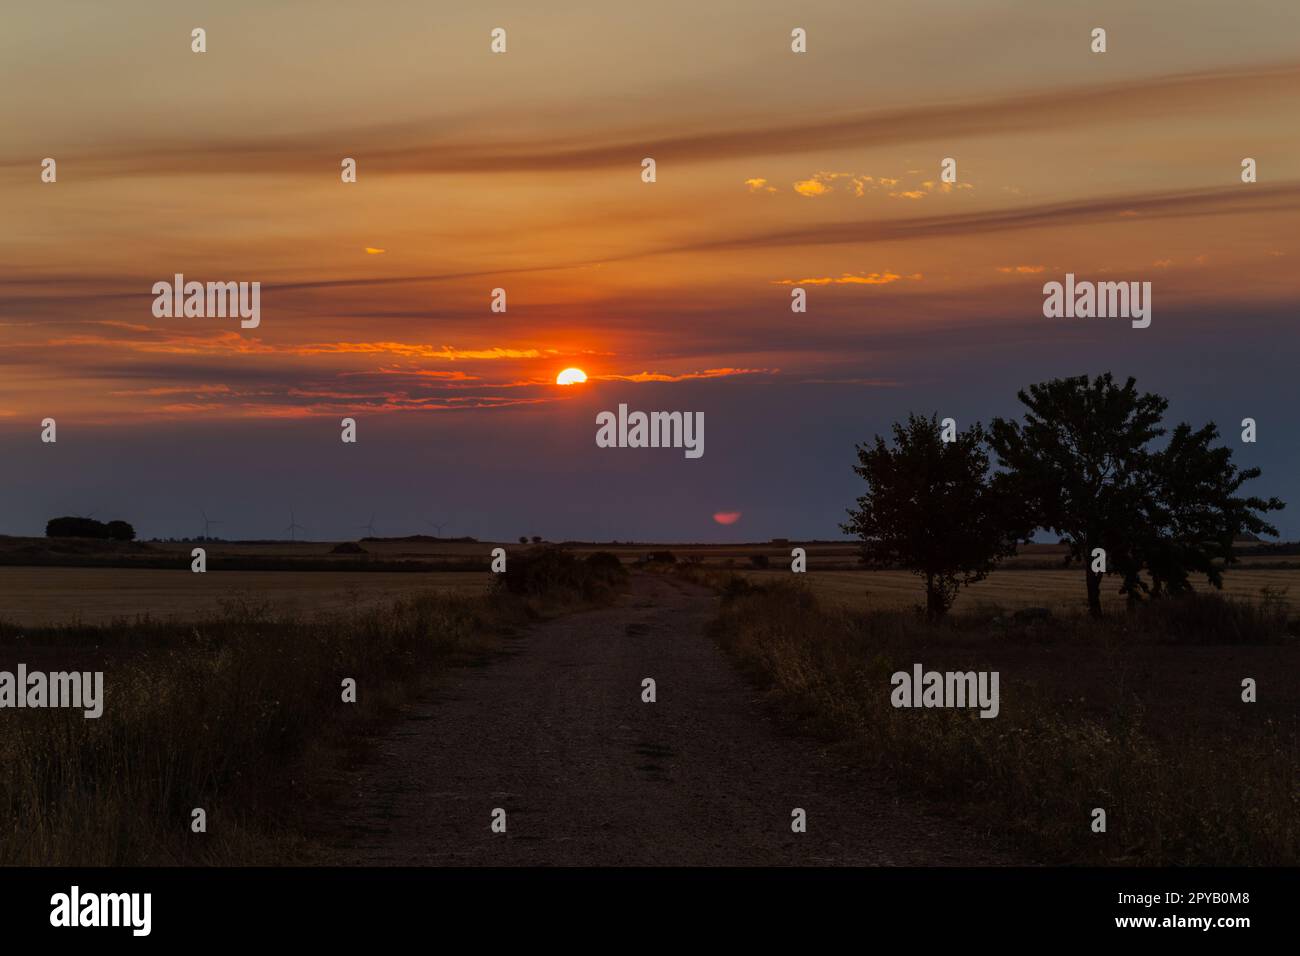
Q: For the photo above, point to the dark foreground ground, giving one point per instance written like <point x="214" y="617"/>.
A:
<point x="554" y="732"/>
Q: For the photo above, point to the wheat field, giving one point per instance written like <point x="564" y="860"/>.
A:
<point x="32" y="597"/>
<point x="1062" y="590"/>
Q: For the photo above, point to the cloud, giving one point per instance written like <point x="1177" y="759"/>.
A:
<point x="175" y="390"/>
<point x="684" y="376"/>
<point x="1022" y="270"/>
<point x="822" y="183"/>
<point x="234" y="343"/>
<point x="1276" y="199"/>
<point x="811" y="187"/>
<point x="410" y="148"/>
<point x="848" y="278"/>
<point x="869" y="382"/>
<point x="417" y="350"/>
<point x="372" y="251"/>
<point x="1260" y="200"/>
<point x="759" y="185"/>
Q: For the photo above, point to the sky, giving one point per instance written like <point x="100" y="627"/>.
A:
<point x="523" y="171"/>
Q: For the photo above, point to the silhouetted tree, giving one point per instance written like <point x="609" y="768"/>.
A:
<point x="120" y="531"/>
<point x="71" y="526"/>
<point x="932" y="507"/>
<point x="1081" y="464"/>
<point x="1194" y="514"/>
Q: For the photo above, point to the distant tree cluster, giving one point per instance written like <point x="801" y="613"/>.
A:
<point x="76" y="527"/>
<point x="1082" y="466"/>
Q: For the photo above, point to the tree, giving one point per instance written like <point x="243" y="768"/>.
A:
<point x="932" y="508"/>
<point x="120" y="531"/>
<point x="1082" y="466"/>
<point x="74" y="526"/>
<point x="1079" y="462"/>
<point x="1194" y="513"/>
<point x="523" y="539"/>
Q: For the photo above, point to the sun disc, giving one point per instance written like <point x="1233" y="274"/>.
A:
<point x="571" y="376"/>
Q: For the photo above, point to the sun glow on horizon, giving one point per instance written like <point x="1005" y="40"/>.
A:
<point x="571" y="376"/>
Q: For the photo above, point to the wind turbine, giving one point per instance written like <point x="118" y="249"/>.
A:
<point x="436" y="526"/>
<point x="207" y="525"/>
<point x="369" y="526"/>
<point x="293" y="526"/>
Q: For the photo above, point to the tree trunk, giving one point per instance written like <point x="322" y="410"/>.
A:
<point x="1094" y="590"/>
<point x="933" y="606"/>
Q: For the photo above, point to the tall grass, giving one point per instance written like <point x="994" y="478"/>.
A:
<point x="227" y="715"/>
<point x="1033" y="774"/>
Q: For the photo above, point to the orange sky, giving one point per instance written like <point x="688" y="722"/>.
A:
<point x="522" y="171"/>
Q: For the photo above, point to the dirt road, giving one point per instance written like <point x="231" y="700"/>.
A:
<point x="556" y="734"/>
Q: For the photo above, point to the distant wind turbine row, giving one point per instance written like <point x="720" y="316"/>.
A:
<point x="293" y="527"/>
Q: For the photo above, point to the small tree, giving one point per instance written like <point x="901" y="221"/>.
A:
<point x="121" y="531"/>
<point x="932" y="508"/>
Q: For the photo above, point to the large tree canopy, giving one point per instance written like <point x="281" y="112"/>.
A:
<point x="1082" y="464"/>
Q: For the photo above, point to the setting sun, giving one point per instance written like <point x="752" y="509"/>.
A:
<point x="571" y="376"/>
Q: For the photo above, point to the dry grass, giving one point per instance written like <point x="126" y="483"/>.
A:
<point x="58" y="596"/>
<point x="1106" y="714"/>
<point x="238" y="714"/>
<point x="1061" y="590"/>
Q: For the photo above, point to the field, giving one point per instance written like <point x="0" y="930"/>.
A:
<point x="137" y="586"/>
<point x="1060" y="590"/>
<point x="1139" y="714"/>
<point x="50" y="596"/>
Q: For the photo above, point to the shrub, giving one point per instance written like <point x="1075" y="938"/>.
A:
<point x="1209" y="618"/>
<point x="74" y="527"/>
<point x="1218" y="796"/>
<point x="551" y="573"/>
<point x="607" y="564"/>
<point x="120" y="531"/>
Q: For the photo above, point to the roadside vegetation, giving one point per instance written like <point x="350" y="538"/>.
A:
<point x="237" y="715"/>
<point x="1138" y="713"/>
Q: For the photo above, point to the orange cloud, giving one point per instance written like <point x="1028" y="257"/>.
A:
<point x="848" y="278"/>
<point x="1023" y="270"/>
<point x="415" y="350"/>
<point x="811" y="187"/>
<point x="176" y="390"/>
<point x="372" y="251"/>
<point x="665" y="377"/>
<point x="233" y="342"/>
